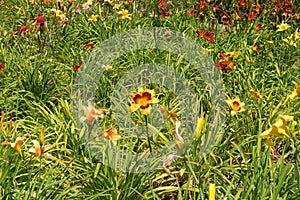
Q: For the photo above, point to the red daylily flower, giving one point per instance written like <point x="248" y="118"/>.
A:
<point x="162" y="3"/>
<point x="251" y="16"/>
<point x="1" y="66"/>
<point x="41" y="21"/>
<point x="164" y="13"/>
<point x="23" y="29"/>
<point x="89" y="46"/>
<point x="207" y="35"/>
<point x="77" y="67"/>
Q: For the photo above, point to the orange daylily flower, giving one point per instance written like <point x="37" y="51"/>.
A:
<point x="256" y="95"/>
<point x="142" y="100"/>
<point x="111" y="134"/>
<point x="91" y="113"/>
<point x="236" y="105"/>
<point x="16" y="145"/>
<point x="40" y="151"/>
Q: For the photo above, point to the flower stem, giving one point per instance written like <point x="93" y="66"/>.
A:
<point x="147" y="131"/>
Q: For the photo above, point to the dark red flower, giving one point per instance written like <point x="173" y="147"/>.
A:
<point x="89" y="46"/>
<point x="202" y="4"/>
<point x="41" y="21"/>
<point x="225" y="63"/>
<point x="215" y="8"/>
<point x="1" y="66"/>
<point x="164" y="13"/>
<point x="257" y="9"/>
<point x="77" y="67"/>
<point x="207" y="35"/>
<point x="242" y="4"/>
<point x="259" y="27"/>
<point x="251" y="16"/>
<point x="23" y="29"/>
<point x="191" y="12"/>
<point x="162" y="3"/>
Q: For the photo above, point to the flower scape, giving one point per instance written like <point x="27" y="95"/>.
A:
<point x="254" y="49"/>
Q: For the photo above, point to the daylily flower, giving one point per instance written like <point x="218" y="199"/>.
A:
<point x="77" y="67"/>
<point x="40" y="151"/>
<point x="93" y="18"/>
<point x="59" y="14"/>
<point x="23" y="29"/>
<point x="283" y="26"/>
<point x="1" y="66"/>
<point x="207" y="35"/>
<point x="142" y="100"/>
<point x="91" y="113"/>
<point x="295" y="93"/>
<point x="255" y="49"/>
<point x="236" y="105"/>
<point x="89" y="46"/>
<point x="111" y="134"/>
<point x="41" y="21"/>
<point x="16" y="145"/>
<point x="278" y="129"/>
<point x="225" y="62"/>
<point x="256" y="95"/>
<point x="125" y="14"/>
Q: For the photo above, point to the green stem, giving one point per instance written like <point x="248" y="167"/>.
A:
<point x="147" y="131"/>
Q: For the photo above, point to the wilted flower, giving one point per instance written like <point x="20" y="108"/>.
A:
<point x="179" y="140"/>
<point x="111" y="134"/>
<point x="91" y="113"/>
<point x="236" y="105"/>
<point x="16" y="145"/>
<point x="283" y="26"/>
<point x="142" y="100"/>
<point x="40" y="151"/>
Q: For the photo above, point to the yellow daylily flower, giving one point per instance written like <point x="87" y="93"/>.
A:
<point x="283" y="27"/>
<point x="142" y="100"/>
<point x="16" y="145"/>
<point x="125" y="14"/>
<point x="93" y="18"/>
<point x="236" y="105"/>
<point x="295" y="93"/>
